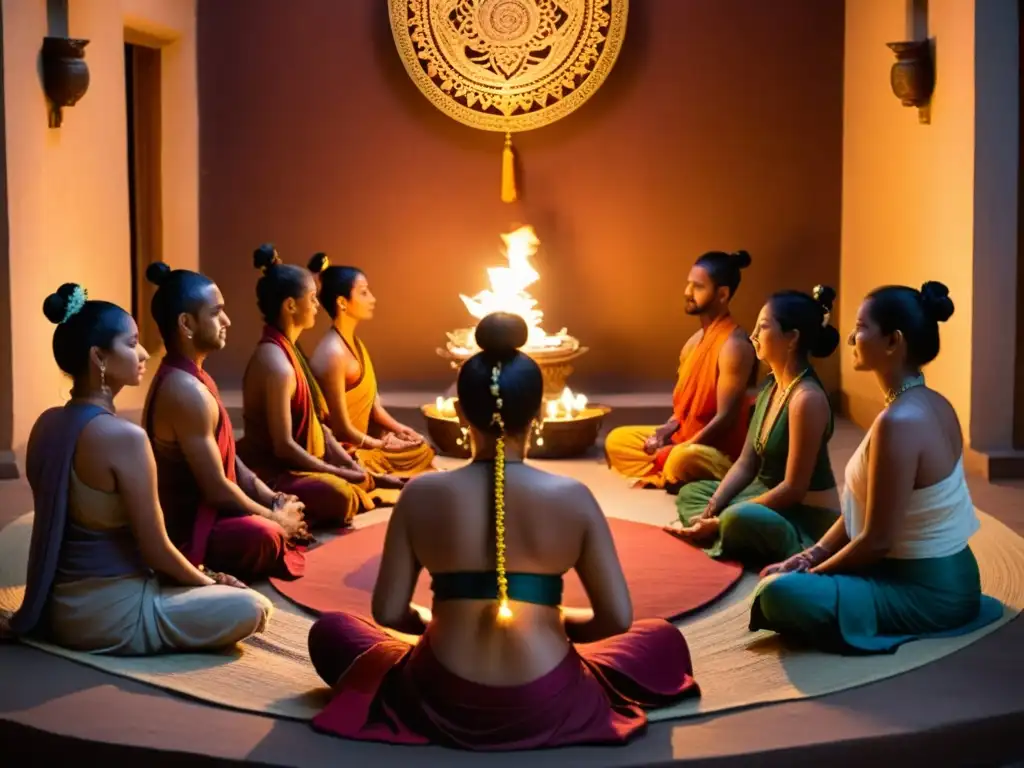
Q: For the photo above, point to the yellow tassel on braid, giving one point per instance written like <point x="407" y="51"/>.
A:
<point x="504" y="612"/>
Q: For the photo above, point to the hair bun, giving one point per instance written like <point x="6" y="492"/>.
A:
<point x="318" y="263"/>
<point x="740" y="259"/>
<point x="500" y="334"/>
<point x="824" y="295"/>
<point x="57" y="304"/>
<point x="936" y="302"/>
<point x="265" y="257"/>
<point x="157" y="273"/>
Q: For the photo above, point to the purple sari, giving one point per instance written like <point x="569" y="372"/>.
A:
<point x="62" y="550"/>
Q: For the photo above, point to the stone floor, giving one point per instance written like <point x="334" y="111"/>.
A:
<point x="967" y="709"/>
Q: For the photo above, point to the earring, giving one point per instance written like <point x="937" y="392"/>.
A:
<point x="189" y="336"/>
<point x="103" y="378"/>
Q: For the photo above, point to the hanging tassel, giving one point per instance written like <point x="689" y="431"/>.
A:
<point x="508" y="172"/>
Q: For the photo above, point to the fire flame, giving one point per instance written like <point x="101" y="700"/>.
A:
<point x="508" y="290"/>
<point x="564" y="408"/>
<point x="508" y="293"/>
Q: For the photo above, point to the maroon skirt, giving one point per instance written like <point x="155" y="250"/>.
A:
<point x="391" y="691"/>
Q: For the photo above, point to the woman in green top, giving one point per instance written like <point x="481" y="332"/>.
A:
<point x="780" y="496"/>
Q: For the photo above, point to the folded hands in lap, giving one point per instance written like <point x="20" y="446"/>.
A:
<point x="798" y="563"/>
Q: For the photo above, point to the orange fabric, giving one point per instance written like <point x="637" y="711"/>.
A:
<point x="695" y="398"/>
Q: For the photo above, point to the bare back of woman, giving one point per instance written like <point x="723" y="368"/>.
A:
<point x="498" y="665"/>
<point x="553" y="524"/>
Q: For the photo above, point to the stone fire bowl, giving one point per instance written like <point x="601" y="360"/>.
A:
<point x="561" y="439"/>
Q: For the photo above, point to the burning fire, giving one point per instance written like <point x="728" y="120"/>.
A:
<point x="564" y="408"/>
<point x="508" y="293"/>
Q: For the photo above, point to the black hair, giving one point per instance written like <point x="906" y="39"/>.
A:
<point x="279" y="283"/>
<point x="724" y="268"/>
<point x="178" y="291"/>
<point x="808" y="314"/>
<point x="335" y="282"/>
<point x="520" y="384"/>
<point x="915" y="314"/>
<point x="81" y="325"/>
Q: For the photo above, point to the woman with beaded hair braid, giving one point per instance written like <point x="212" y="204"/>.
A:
<point x="496" y="665"/>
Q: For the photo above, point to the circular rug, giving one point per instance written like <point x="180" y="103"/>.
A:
<point x="667" y="578"/>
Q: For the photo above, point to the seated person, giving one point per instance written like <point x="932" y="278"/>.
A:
<point x="343" y="369"/>
<point x="286" y="443"/>
<point x="897" y="565"/>
<point x="103" y="576"/>
<point x="218" y="512"/>
<point x="780" y="496"/>
<point x="497" y="666"/>
<point x="710" y="406"/>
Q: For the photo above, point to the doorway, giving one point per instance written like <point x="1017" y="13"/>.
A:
<point x="1018" y="388"/>
<point x="145" y="203"/>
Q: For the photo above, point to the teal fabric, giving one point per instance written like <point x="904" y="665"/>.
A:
<point x="538" y="588"/>
<point x="754" y="534"/>
<point x="877" y="611"/>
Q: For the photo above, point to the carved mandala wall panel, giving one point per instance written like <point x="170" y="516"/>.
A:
<point x="508" y="65"/>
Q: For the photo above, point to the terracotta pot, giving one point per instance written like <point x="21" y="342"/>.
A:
<point x="912" y="76"/>
<point x="65" y="73"/>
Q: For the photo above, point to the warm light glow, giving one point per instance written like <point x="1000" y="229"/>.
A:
<point x="507" y="292"/>
<point x="446" y="407"/>
<point x="566" y="407"/>
<point x="504" y="612"/>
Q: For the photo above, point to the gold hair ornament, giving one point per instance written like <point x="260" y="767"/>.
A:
<point x="817" y="293"/>
<point x="504" y="612"/>
<point x="273" y="262"/>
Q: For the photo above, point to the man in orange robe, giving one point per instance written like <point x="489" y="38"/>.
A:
<point x="710" y="404"/>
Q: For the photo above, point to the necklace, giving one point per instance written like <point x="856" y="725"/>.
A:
<point x="892" y="394"/>
<point x="760" y="440"/>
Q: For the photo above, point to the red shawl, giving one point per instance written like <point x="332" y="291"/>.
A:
<point x="206" y="515"/>
<point x="309" y="408"/>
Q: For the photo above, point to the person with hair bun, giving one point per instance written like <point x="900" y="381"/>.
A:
<point x="286" y="442"/>
<point x="780" y="496"/>
<point x="496" y="665"/>
<point x="344" y="370"/>
<point x="710" y="405"/>
<point x="897" y="565"/>
<point x="103" y="576"/>
<point x="218" y="512"/>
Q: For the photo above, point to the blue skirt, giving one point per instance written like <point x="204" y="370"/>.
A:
<point x="876" y="611"/>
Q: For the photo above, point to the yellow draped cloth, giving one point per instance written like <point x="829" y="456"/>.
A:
<point x="694" y="402"/>
<point x="360" y="398"/>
